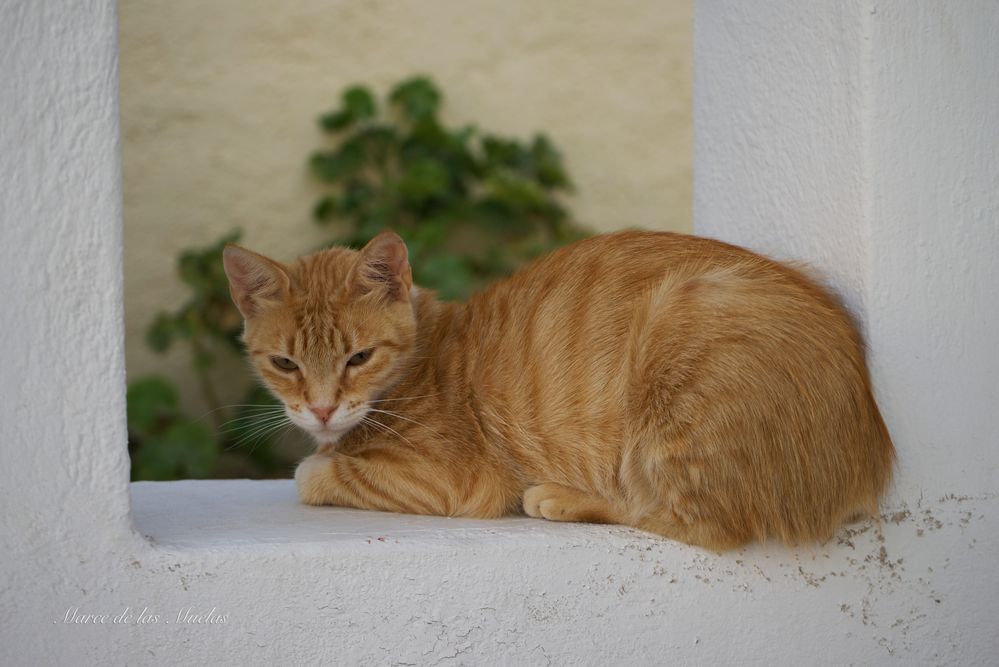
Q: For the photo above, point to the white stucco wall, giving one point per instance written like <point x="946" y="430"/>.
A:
<point x="862" y="138"/>
<point x="301" y="585"/>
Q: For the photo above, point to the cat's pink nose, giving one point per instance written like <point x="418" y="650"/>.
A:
<point x="323" y="412"/>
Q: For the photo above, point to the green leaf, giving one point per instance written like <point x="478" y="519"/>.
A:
<point x="418" y="98"/>
<point x="325" y="209"/>
<point x="357" y="195"/>
<point x="548" y="164"/>
<point x="186" y="449"/>
<point x="503" y="153"/>
<point x="201" y="268"/>
<point x="148" y="401"/>
<point x="501" y="218"/>
<point x="193" y="268"/>
<point x="359" y="102"/>
<point x="430" y="233"/>
<point x="424" y="180"/>
<point x="337" y="165"/>
<point x="449" y="274"/>
<point x="182" y="322"/>
<point x="336" y="120"/>
<point x="160" y="333"/>
<point x="517" y="191"/>
<point x="377" y="142"/>
<point x="202" y="359"/>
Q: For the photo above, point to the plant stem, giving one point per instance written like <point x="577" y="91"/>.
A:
<point x="207" y="388"/>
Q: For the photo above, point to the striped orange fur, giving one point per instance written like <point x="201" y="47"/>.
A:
<point x="673" y="383"/>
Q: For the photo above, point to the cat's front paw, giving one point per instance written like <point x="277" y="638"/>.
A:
<point x="310" y="478"/>
<point x="546" y="501"/>
<point x="562" y="503"/>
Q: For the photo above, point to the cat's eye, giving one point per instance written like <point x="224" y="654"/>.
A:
<point x="284" y="363"/>
<point x="360" y="357"/>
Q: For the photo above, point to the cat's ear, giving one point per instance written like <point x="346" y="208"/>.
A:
<point x="254" y="280"/>
<point x="384" y="267"/>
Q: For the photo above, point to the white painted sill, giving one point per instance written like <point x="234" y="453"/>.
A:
<point x="194" y="514"/>
<point x="909" y="589"/>
<point x="880" y="580"/>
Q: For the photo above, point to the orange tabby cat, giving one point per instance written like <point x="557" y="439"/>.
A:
<point x="677" y="384"/>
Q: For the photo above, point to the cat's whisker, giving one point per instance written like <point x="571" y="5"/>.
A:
<point x="248" y="417"/>
<point x="372" y="422"/>
<point x="239" y="405"/>
<point x="254" y="415"/>
<point x="238" y="438"/>
<point x="260" y="431"/>
<point x="237" y="425"/>
<point x="257" y="439"/>
<point x="280" y="436"/>
<point x="270" y="421"/>
<point x="276" y="433"/>
<point x="404" y="398"/>
<point x="398" y="416"/>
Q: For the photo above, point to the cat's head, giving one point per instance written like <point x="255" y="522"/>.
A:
<point x="328" y="332"/>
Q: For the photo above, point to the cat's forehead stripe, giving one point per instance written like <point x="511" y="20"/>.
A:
<point x="341" y="339"/>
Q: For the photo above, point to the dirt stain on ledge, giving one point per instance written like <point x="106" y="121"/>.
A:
<point x="898" y="517"/>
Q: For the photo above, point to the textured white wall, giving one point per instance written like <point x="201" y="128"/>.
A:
<point x="933" y="208"/>
<point x="862" y="137"/>
<point x="304" y="585"/>
<point x="62" y="372"/>
<point x="779" y="119"/>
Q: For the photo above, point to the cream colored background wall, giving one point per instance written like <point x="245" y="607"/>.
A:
<point x="219" y="101"/>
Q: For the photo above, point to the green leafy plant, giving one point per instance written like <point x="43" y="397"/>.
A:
<point x="164" y="442"/>
<point x="472" y="206"/>
<point x="208" y="320"/>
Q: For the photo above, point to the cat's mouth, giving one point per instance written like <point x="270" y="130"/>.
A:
<point x="326" y="437"/>
<point x="326" y="433"/>
<point x="330" y="433"/>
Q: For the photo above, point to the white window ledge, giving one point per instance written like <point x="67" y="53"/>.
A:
<point x="482" y="591"/>
<point x="222" y="513"/>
